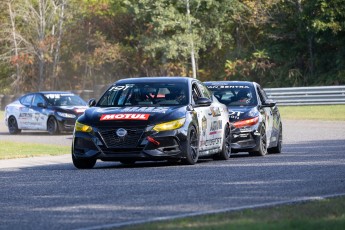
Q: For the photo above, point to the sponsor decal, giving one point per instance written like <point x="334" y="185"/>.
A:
<point x="211" y="142"/>
<point x="25" y="115"/>
<point x="124" y="116"/>
<point x="215" y="127"/>
<point x="215" y="111"/>
<point x="36" y="116"/>
<point x="121" y="87"/>
<point x="146" y="109"/>
<point x="56" y="96"/>
<point x="235" y="114"/>
<point x="203" y="125"/>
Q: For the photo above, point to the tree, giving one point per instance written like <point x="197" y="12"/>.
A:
<point x="33" y="33"/>
<point x="172" y="35"/>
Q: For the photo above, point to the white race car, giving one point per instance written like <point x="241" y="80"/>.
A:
<point x="50" y="111"/>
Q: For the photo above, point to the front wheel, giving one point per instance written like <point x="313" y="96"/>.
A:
<point x="226" y="148"/>
<point x="52" y="126"/>
<point x="83" y="163"/>
<point x="13" y="126"/>
<point x="192" y="148"/>
<point x="278" y="147"/>
<point x="262" y="146"/>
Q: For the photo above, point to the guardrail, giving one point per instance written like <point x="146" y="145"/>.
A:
<point x="322" y="95"/>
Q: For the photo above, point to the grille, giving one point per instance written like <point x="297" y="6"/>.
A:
<point x="129" y="141"/>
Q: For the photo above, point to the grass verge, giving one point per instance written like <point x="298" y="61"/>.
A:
<point x="321" y="214"/>
<point x="317" y="112"/>
<point x="11" y="150"/>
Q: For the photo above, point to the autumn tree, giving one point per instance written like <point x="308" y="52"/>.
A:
<point x="33" y="34"/>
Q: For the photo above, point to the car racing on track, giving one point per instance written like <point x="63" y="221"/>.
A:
<point x="256" y="125"/>
<point x="152" y="119"/>
<point x="52" y="111"/>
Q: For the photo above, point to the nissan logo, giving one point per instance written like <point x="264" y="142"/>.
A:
<point x="121" y="132"/>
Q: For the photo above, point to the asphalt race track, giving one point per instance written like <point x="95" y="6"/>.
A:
<point x="49" y="193"/>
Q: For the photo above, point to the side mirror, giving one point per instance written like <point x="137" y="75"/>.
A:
<point x="269" y="103"/>
<point x="41" y="105"/>
<point x="92" y="102"/>
<point x="203" y="101"/>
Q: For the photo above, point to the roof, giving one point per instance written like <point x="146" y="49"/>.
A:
<point x="248" y="83"/>
<point x="56" y="92"/>
<point x="155" y="80"/>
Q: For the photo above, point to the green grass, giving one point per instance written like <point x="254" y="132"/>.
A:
<point x="9" y="150"/>
<point x="321" y="214"/>
<point x="317" y="112"/>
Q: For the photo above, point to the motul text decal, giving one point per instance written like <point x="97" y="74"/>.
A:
<point x="124" y="116"/>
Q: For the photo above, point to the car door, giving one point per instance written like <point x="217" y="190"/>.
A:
<point x="210" y="124"/>
<point x="39" y="112"/>
<point x="25" y="113"/>
<point x="267" y="113"/>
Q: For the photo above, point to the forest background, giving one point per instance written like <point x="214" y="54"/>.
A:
<point x="79" y="44"/>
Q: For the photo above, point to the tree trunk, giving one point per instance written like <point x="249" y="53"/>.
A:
<point x="17" y="81"/>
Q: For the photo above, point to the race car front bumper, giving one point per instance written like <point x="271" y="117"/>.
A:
<point x="148" y="146"/>
<point x="245" y="140"/>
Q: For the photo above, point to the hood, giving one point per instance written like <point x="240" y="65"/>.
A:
<point x="238" y="113"/>
<point x="78" y="110"/>
<point x="130" y="116"/>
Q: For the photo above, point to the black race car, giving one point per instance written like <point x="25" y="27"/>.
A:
<point x="53" y="111"/>
<point x="152" y="118"/>
<point x="255" y="119"/>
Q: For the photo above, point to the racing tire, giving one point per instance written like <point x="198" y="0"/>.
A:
<point x="192" y="148"/>
<point x="13" y="126"/>
<point x="225" y="153"/>
<point x="278" y="148"/>
<point x="262" y="146"/>
<point x="52" y="126"/>
<point x="83" y="163"/>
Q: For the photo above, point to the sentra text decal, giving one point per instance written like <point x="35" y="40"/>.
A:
<point x="124" y="116"/>
<point x="228" y="87"/>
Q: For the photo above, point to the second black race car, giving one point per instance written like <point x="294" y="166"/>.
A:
<point x="152" y="118"/>
<point x="255" y="119"/>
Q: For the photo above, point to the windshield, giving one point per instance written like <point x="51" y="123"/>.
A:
<point x="56" y="99"/>
<point x="145" y="94"/>
<point x="235" y="95"/>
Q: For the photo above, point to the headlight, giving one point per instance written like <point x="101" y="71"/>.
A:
<point x="82" y="128"/>
<point x="253" y="113"/>
<point x="247" y="122"/>
<point x="67" y="115"/>
<point x="171" y="125"/>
